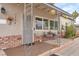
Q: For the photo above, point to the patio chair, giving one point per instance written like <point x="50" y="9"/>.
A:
<point x="50" y="35"/>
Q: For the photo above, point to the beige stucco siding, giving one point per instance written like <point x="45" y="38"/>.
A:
<point x="13" y="29"/>
<point x="63" y="21"/>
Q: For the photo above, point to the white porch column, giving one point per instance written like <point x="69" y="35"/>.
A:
<point x="27" y="24"/>
<point x="59" y="28"/>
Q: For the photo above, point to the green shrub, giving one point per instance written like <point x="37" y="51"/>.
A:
<point x="70" y="32"/>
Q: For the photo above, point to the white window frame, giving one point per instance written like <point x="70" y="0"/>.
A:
<point x="35" y="23"/>
<point x="46" y="30"/>
<point x="43" y="25"/>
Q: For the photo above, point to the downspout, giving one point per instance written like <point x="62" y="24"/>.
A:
<point x="24" y="17"/>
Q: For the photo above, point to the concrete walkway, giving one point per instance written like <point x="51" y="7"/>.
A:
<point x="60" y="41"/>
<point x="70" y="50"/>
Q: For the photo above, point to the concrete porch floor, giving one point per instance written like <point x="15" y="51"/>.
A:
<point x="36" y="49"/>
<point x="57" y="41"/>
<point x="33" y="50"/>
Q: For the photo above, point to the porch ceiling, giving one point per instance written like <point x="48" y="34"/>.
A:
<point x="42" y="6"/>
<point x="39" y="6"/>
<point x="45" y="8"/>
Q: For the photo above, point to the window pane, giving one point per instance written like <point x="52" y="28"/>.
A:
<point x="51" y="24"/>
<point x="56" y="25"/>
<point x="45" y="24"/>
<point x="38" y="23"/>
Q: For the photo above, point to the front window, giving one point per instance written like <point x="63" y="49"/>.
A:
<point x="56" y="25"/>
<point x="38" y="23"/>
<point x="51" y="24"/>
<point x="45" y="23"/>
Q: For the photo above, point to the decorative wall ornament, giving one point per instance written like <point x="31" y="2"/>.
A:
<point x="10" y="19"/>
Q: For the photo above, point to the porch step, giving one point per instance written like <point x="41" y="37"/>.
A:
<point x="54" y="55"/>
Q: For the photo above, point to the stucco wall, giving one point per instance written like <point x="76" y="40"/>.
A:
<point x="13" y="29"/>
<point x="63" y="21"/>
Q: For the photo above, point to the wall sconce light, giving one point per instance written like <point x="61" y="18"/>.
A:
<point x="3" y="10"/>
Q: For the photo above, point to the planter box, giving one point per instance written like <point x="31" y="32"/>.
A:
<point x="10" y="41"/>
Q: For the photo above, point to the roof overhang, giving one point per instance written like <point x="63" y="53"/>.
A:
<point x="60" y="10"/>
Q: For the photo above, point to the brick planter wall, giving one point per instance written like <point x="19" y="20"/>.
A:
<point x="10" y="41"/>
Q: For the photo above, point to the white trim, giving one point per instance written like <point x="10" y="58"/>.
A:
<point x="45" y="30"/>
<point x="48" y="24"/>
<point x="22" y="27"/>
<point x="24" y="14"/>
<point x="32" y="22"/>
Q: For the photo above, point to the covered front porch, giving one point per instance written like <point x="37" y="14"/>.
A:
<point x="43" y="23"/>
